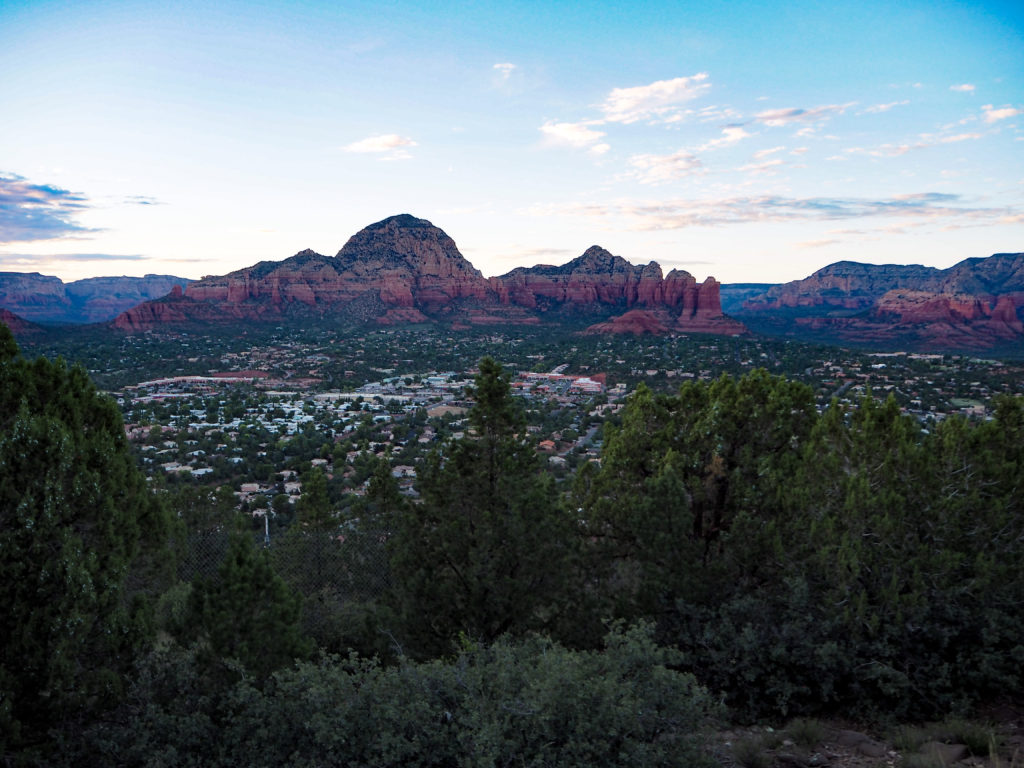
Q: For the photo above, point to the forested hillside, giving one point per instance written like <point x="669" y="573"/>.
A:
<point x="733" y="544"/>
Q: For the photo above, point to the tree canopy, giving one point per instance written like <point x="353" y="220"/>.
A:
<point x="485" y="551"/>
<point x="79" y="534"/>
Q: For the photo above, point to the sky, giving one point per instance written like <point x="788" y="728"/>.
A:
<point x="750" y="141"/>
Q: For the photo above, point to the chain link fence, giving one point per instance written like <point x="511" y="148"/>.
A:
<point x="337" y="576"/>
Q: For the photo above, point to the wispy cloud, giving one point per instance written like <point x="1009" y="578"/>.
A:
<point x="655" y="101"/>
<point x="963" y="87"/>
<point x="926" y="140"/>
<point x="141" y="200"/>
<point x="992" y="114"/>
<point x="577" y="135"/>
<point x="390" y="145"/>
<point x="763" y="153"/>
<point x="762" y="168"/>
<point x="31" y="212"/>
<point x="658" y="102"/>
<point x="51" y="261"/>
<point x="504" y="71"/>
<point x="878" y="108"/>
<point x="657" y="169"/>
<point x="782" y="117"/>
<point x="927" y="207"/>
<point x="731" y="134"/>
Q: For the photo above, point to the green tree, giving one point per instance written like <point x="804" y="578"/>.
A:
<point x="487" y="550"/>
<point x="689" y="492"/>
<point x="313" y="509"/>
<point x="247" y="612"/>
<point x="79" y="535"/>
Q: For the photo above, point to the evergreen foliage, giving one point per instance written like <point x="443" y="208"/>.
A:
<point x="248" y="613"/>
<point x="529" y="702"/>
<point x="82" y="544"/>
<point x="807" y="563"/>
<point x="486" y="551"/>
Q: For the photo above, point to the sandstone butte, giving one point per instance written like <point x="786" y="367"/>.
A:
<point x="405" y="270"/>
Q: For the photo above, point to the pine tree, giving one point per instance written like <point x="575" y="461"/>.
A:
<point x="485" y="553"/>
<point x="248" y="613"/>
<point x="79" y="541"/>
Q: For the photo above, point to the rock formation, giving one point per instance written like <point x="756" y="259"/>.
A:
<point x="45" y="299"/>
<point x="975" y="304"/>
<point x="845" y="285"/>
<point x="19" y="326"/>
<point x="406" y="270"/>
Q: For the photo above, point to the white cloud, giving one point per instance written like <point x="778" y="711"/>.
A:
<point x="730" y="135"/>
<point x="875" y="109"/>
<point x="950" y="139"/>
<point x="926" y="140"/>
<point x="716" y="114"/>
<point x="390" y="144"/>
<point x="817" y="243"/>
<point x="768" y="166"/>
<point x="657" y="169"/>
<point x="504" y="69"/>
<point x="963" y="88"/>
<point x="781" y="117"/>
<point x="763" y="153"/>
<point x="657" y="100"/>
<point x="577" y="135"/>
<point x="992" y="115"/>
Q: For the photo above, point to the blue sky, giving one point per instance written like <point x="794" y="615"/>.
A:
<point x="749" y="141"/>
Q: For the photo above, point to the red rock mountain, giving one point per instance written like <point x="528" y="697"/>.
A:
<point x="976" y="304"/>
<point x="19" y="326"/>
<point x="45" y="299"/>
<point x="406" y="270"/>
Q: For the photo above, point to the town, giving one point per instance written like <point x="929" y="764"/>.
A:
<point x="251" y="414"/>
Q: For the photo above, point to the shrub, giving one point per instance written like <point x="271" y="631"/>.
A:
<point x="529" y="702"/>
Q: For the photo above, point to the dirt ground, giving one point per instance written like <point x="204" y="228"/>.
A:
<point x="844" y="745"/>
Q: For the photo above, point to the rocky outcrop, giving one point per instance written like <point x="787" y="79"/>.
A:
<point x="598" y="281"/>
<point x="845" y="285"/>
<point x="405" y="270"/>
<point x="636" y="322"/>
<point x="595" y="278"/>
<point x="416" y="263"/>
<point x="978" y="304"/>
<point x="45" y="299"/>
<point x="35" y="297"/>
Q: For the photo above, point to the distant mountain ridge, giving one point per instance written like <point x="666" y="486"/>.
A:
<point x="405" y="270"/>
<point x="976" y="304"/>
<point x="45" y="299"/>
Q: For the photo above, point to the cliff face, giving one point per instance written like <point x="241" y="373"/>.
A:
<point x="41" y="298"/>
<point x="846" y="285"/>
<point x="406" y="270"/>
<point x="33" y="296"/>
<point x="598" y="281"/>
<point x="976" y="304"/>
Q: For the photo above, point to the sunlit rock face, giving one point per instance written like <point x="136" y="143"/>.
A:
<point x="405" y="270"/>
